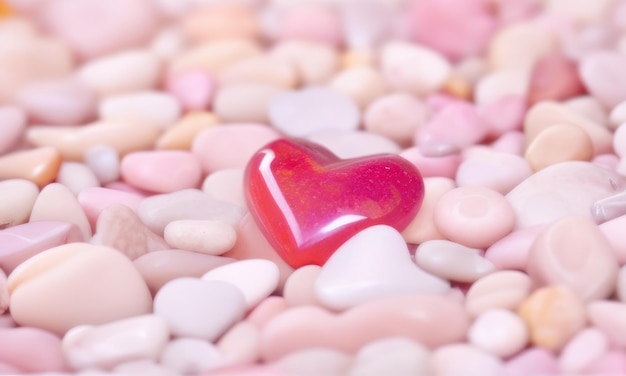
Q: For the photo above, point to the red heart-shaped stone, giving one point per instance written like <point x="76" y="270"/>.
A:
<point x="308" y="202"/>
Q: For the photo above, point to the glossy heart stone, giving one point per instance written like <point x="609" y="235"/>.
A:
<point x="308" y="202"/>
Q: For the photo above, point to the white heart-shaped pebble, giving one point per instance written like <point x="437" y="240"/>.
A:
<point x="374" y="263"/>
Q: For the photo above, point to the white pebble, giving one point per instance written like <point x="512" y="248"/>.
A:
<point x="226" y="185"/>
<point x="499" y="331"/>
<point x="76" y="177"/>
<point x="203" y="236"/>
<point x="453" y="261"/>
<point x="152" y="107"/>
<point x="190" y="356"/>
<point x="104" y="161"/>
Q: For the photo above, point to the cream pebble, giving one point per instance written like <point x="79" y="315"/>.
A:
<point x="226" y="185"/>
<point x="573" y="252"/>
<point x="465" y="359"/>
<point x="199" y="309"/>
<point x="299" y="287"/>
<point x="17" y="197"/>
<point x="505" y="289"/>
<point x="474" y="216"/>
<point x="259" y="70"/>
<point x="520" y="45"/>
<point x="151" y="107"/>
<point x="122" y="72"/>
<point x="342" y="283"/>
<point x="101" y="280"/>
<point x="143" y="169"/>
<point x="159" y="210"/>
<point x="584" y="349"/>
<point x="39" y="165"/>
<point x="76" y="177"/>
<point x="103" y="346"/>
<point x="554" y="314"/>
<point x="208" y="237"/>
<point x="499" y="331"/>
<point x="449" y="260"/>
<point x="256" y="278"/>
<point x="396" y="355"/>
<point x="413" y="68"/>
<point x="363" y="84"/>
<point x="499" y="171"/>
<point x="608" y="316"/>
<point x="182" y="134"/>
<point x="397" y="116"/>
<point x="214" y="56"/>
<point x="499" y="84"/>
<point x="422" y="228"/>
<point x="241" y="344"/>
<point x="245" y="102"/>
<point x="315" y="361"/>
<point x="57" y="203"/>
<point x="190" y="356"/>
<point x="559" y="143"/>
<point x="104" y="161"/>
<point x="314" y="62"/>
<point x="142" y="367"/>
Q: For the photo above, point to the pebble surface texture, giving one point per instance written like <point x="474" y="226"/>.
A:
<point x="151" y="223"/>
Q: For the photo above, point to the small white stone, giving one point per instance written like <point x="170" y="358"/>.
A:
<point x="256" y="278"/>
<point x="353" y="274"/>
<point x="190" y="356"/>
<point x="209" y="237"/>
<point x="453" y="261"/>
<point x="104" y="161"/>
<point x="499" y="331"/>
<point x="152" y="107"/>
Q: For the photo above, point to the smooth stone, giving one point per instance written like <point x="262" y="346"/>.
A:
<point x="499" y="171"/>
<point x="496" y="85"/>
<point x="226" y="185"/>
<point x="613" y="362"/>
<point x="39" y="165"/>
<point x="314" y="62"/>
<point x="342" y="283"/>
<point x="315" y="361"/>
<point x="422" y="228"/>
<point x="608" y="317"/>
<point x="4" y="293"/>
<point x="311" y="110"/>
<point x="363" y="84"/>
<point x="119" y="227"/>
<point x="558" y="143"/>
<point x="554" y="77"/>
<point x="553" y="314"/>
<point x="396" y="116"/>
<point x="561" y="190"/>
<point x="520" y="45"/>
<point x="94" y="200"/>
<point x="583" y="350"/>
<point x="456" y="124"/>
<point x="602" y="75"/>
<point x="440" y="166"/>
<point x="511" y="143"/>
<point x="265" y="311"/>
<point x="311" y="22"/>
<point x="395" y="355"/>
<point x="220" y="21"/>
<point x="101" y="280"/>
<point x="104" y="161"/>
<point x="259" y="70"/>
<point x="256" y="278"/>
<point x="76" y="177"/>
<point x="573" y="252"/>
<point x="533" y="361"/>
<point x="429" y="319"/>
<point x="621" y="284"/>
<point x="64" y="101"/>
<point x="199" y="309"/>
<point x="475" y="217"/>
<point x="240" y="345"/>
<point x="56" y="202"/>
<point x="413" y="68"/>
<point x="457" y="359"/>
<point x="121" y="72"/>
<point x="452" y="261"/>
<point x="208" y="237"/>
<point x="505" y="114"/>
<point x="299" y="288"/>
<point x="619" y="141"/>
<point x="617" y="116"/>
<point x="31" y="350"/>
<point x="546" y="114"/>
<point x="505" y="289"/>
<point x="181" y="135"/>
<point x="580" y="11"/>
<point x="187" y="356"/>
<point x="193" y="89"/>
<point x="151" y="107"/>
<point x="230" y="146"/>
<point x="498" y="331"/>
<point x="124" y="136"/>
<point x="107" y="345"/>
<point x="246" y="102"/>
<point x="353" y="144"/>
<point x="159" y="210"/>
<point x="609" y="208"/>
<point x="589" y="107"/>
<point x="511" y="252"/>
<point x="13" y="123"/>
<point x="214" y="56"/>
<point x="21" y="242"/>
<point x="159" y="267"/>
<point x="144" y="170"/>
<point x="17" y="197"/>
<point x="142" y="367"/>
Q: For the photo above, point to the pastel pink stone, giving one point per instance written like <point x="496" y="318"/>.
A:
<point x="193" y="89"/>
<point x="94" y="200"/>
<point x="13" y="125"/>
<point x="31" y="350"/>
<point x="505" y="114"/>
<point x="456" y="28"/>
<point x="511" y="252"/>
<point x="313" y="23"/>
<point x="231" y="146"/>
<point x="21" y="242"/>
<point x="457" y="124"/>
<point x="145" y="170"/>
<point x="535" y="361"/>
<point x="603" y="75"/>
<point x="429" y="319"/>
<point x="611" y="363"/>
<point x="433" y="166"/>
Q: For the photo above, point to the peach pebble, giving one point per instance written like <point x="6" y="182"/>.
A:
<point x="17" y="197"/>
<point x="221" y="21"/>
<point x="315" y="62"/>
<point x="300" y="286"/>
<point x="39" y="165"/>
<point x="363" y="84"/>
<point x="208" y="237"/>
<point x="505" y="289"/>
<point x="240" y="345"/>
<point x="143" y="169"/>
<point x="559" y="143"/>
<point x="397" y="116"/>
<point x="181" y="135"/>
<point x="422" y="228"/>
<point x="76" y="177"/>
<point x="212" y="57"/>
<point x="245" y="102"/>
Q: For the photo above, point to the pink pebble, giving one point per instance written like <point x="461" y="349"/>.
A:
<point x="511" y="252"/>
<point x="535" y="361"/>
<point x="230" y="146"/>
<point x="456" y="28"/>
<point x="94" y="200"/>
<point x="498" y="171"/>
<point x="162" y="171"/>
<point x="456" y="124"/>
<point x="316" y="23"/>
<point x="612" y="363"/>
<point x="32" y="350"/>
<point x="445" y="166"/>
<point x="510" y="142"/>
<point x="13" y="125"/>
<point x="193" y="89"/>
<point x="504" y="114"/>
<point x="609" y="161"/>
